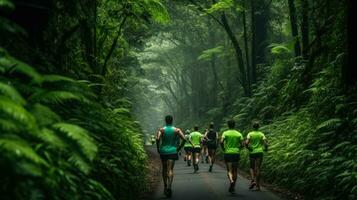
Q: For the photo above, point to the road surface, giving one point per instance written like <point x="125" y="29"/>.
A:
<point x="206" y="185"/>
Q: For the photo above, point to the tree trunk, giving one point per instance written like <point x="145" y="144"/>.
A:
<point x="305" y="28"/>
<point x="248" y="69"/>
<point x="238" y="53"/>
<point x="259" y="14"/>
<point x="294" y="27"/>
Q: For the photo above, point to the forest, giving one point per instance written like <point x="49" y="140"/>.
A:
<point x="84" y="83"/>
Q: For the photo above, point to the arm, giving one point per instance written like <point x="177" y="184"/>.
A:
<point x="222" y="142"/>
<point x="247" y="142"/>
<point x="265" y="141"/>
<point x="158" y="137"/>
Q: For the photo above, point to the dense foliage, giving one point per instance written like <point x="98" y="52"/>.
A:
<point x="282" y="62"/>
<point x="74" y="75"/>
<point x="65" y="111"/>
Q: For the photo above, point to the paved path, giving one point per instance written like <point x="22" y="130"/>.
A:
<point x="209" y="185"/>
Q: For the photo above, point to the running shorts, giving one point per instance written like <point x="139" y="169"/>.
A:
<point x="253" y="157"/>
<point x="231" y="157"/>
<point x="196" y="150"/>
<point x="188" y="149"/>
<point x="212" y="145"/>
<point x="169" y="156"/>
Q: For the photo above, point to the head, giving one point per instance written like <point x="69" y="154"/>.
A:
<point x="169" y="119"/>
<point x="187" y="132"/>
<point x="256" y="125"/>
<point x="211" y="125"/>
<point x="231" y="124"/>
<point x="195" y="128"/>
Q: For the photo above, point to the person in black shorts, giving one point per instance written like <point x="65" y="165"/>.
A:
<point x="167" y="146"/>
<point x="231" y="143"/>
<point x="212" y="140"/>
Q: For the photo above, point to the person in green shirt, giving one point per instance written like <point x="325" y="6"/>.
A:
<point x="188" y="148"/>
<point x="256" y="143"/>
<point x="166" y="142"/>
<point x="231" y="143"/>
<point x="196" y="139"/>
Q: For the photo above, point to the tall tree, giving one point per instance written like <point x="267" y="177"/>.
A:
<point x="294" y="27"/>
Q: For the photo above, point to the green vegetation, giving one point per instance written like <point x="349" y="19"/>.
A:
<point x="81" y="81"/>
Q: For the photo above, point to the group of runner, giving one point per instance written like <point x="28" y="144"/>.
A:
<point x="170" y="140"/>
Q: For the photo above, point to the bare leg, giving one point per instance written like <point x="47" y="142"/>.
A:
<point x="170" y="172"/>
<point x="229" y="172"/>
<point x="258" y="163"/>
<point x="234" y="172"/>
<point x="164" y="174"/>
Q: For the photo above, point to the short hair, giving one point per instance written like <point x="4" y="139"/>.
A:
<point x="211" y="125"/>
<point x="195" y="128"/>
<point x="231" y="123"/>
<point x="168" y="119"/>
<point x="256" y="124"/>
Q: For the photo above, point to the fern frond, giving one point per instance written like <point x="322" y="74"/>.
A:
<point x="56" y="97"/>
<point x="12" y="93"/>
<point x="27" y="70"/>
<point x="79" y="136"/>
<point x="56" y="78"/>
<point x="19" y="149"/>
<point x="44" y="115"/>
<point x="330" y="124"/>
<point x="16" y="112"/>
<point x="51" y="138"/>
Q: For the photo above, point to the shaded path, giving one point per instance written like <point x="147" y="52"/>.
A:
<point x="209" y="186"/>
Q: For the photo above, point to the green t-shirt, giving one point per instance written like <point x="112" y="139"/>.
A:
<point x="169" y="141"/>
<point x="188" y="138"/>
<point x="232" y="141"/>
<point x="196" y="139"/>
<point x="256" y="139"/>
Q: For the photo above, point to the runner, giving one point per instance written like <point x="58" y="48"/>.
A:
<point x="196" y="139"/>
<point x="188" y="148"/>
<point x="212" y="139"/>
<point x="153" y="139"/>
<point x="255" y="142"/>
<point x="204" y="151"/>
<point x="166" y="143"/>
<point x="231" y="142"/>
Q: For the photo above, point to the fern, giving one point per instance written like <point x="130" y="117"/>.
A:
<point x="11" y="93"/>
<point x="330" y="124"/>
<point x="16" y="112"/>
<point x="19" y="149"/>
<point x="56" y="97"/>
<point x="80" y="136"/>
<point x="44" y="115"/>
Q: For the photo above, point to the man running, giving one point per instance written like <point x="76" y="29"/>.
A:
<point x="166" y="143"/>
<point x="255" y="142"/>
<point x="196" y="139"/>
<point x="212" y="140"/>
<point x="231" y="142"/>
<point x="204" y="150"/>
<point x="188" y="148"/>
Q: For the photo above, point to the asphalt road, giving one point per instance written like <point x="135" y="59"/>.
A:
<point x="206" y="185"/>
